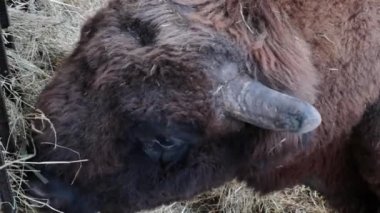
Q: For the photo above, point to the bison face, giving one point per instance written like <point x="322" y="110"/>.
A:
<point x="157" y="94"/>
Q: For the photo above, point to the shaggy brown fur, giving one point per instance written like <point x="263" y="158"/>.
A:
<point x="345" y="41"/>
<point x="144" y="71"/>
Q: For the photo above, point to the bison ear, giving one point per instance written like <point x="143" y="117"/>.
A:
<point x="250" y="101"/>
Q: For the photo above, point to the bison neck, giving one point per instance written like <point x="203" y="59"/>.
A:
<point x="345" y="39"/>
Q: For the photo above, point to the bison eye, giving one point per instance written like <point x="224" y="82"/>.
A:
<point x="164" y="151"/>
<point x="144" y="32"/>
<point x="164" y="143"/>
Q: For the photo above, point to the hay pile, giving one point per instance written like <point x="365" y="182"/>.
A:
<point x="45" y="31"/>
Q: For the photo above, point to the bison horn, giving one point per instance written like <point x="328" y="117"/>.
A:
<point x="252" y="102"/>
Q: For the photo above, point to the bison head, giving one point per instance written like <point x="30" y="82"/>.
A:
<point x="168" y="98"/>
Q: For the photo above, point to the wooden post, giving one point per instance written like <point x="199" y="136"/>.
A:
<point x="6" y="197"/>
<point x="4" y="22"/>
<point x="3" y="56"/>
<point x="4" y="18"/>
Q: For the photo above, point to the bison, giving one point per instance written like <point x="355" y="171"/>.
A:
<point x="169" y="98"/>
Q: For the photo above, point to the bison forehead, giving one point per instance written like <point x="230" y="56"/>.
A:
<point x="182" y="24"/>
<point x="193" y="31"/>
<point x="145" y="35"/>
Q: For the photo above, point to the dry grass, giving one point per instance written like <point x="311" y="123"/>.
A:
<point x="235" y="197"/>
<point x="43" y="36"/>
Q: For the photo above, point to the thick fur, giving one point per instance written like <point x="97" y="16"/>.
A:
<point x="155" y="62"/>
<point x="344" y="38"/>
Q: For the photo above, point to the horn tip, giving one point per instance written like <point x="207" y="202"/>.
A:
<point x="311" y="122"/>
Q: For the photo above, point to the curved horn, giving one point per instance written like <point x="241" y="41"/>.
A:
<point x="252" y="102"/>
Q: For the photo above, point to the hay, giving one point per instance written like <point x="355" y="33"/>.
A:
<point x="43" y="36"/>
<point x="235" y="197"/>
